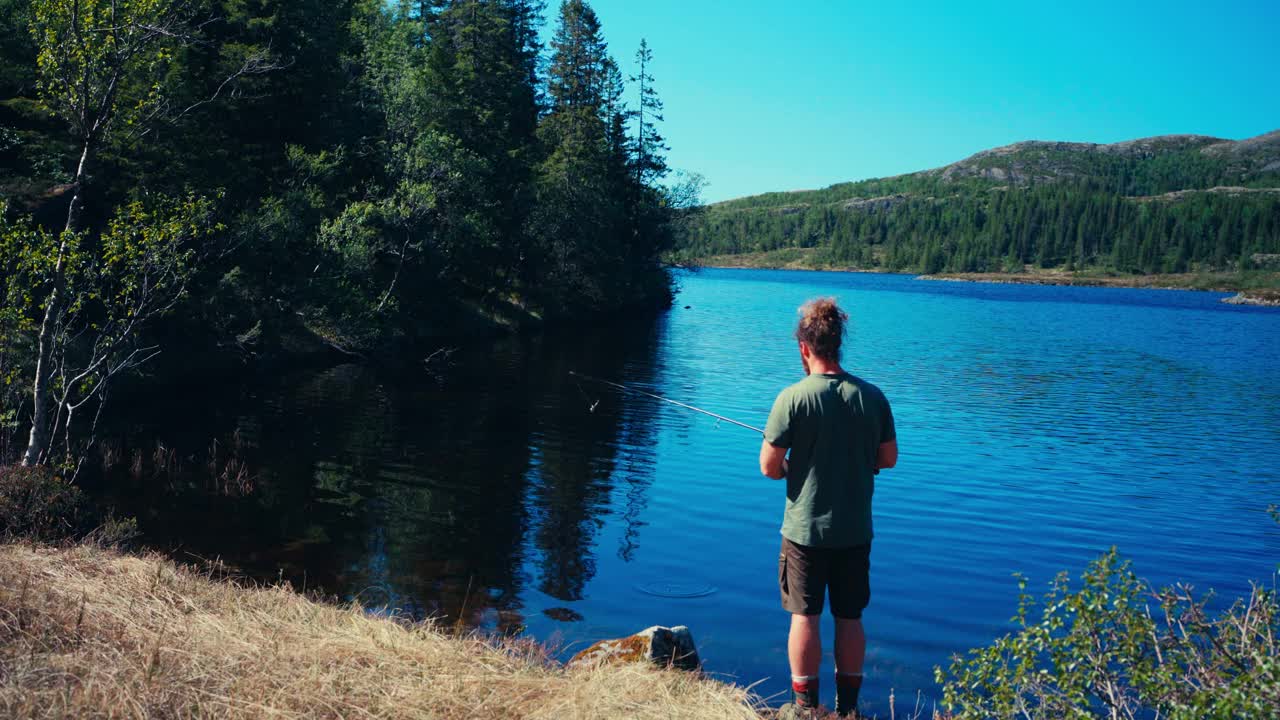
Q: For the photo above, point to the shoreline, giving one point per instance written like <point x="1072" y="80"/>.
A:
<point x="1256" y="288"/>
<point x="1221" y="283"/>
<point x="1179" y="281"/>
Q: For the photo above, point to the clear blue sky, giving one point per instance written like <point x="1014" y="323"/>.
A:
<point x="765" y="96"/>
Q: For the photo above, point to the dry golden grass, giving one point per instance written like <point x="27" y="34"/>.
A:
<point x="91" y="633"/>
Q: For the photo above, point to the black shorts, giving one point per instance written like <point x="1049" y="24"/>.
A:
<point x="805" y="573"/>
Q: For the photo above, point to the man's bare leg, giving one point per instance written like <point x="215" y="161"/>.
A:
<point x="804" y="650"/>
<point x="804" y="646"/>
<point x="851" y="646"/>
<point x="851" y="650"/>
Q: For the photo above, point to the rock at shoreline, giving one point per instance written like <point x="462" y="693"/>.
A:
<point x="1264" y="298"/>
<point x="665" y="647"/>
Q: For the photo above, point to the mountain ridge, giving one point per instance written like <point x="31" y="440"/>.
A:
<point x="1167" y="203"/>
<point x="1266" y="144"/>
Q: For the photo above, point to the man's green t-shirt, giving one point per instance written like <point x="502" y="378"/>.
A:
<point x="834" y="425"/>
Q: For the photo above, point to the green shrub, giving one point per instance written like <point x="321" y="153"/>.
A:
<point x="114" y="532"/>
<point x="38" y="504"/>
<point x="1117" y="648"/>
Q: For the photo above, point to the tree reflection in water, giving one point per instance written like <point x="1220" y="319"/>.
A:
<point x="410" y="495"/>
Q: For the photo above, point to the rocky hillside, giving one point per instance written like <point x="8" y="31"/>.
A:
<point x="1147" y="166"/>
<point x="1234" y="162"/>
<point x="1173" y="203"/>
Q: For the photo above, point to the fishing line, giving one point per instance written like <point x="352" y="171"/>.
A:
<point x="682" y="591"/>
<point x="585" y="396"/>
<point x="686" y="406"/>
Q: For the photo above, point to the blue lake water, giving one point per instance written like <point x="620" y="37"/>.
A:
<point x="1038" y="426"/>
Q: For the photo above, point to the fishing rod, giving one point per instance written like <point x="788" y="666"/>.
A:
<point x="686" y="406"/>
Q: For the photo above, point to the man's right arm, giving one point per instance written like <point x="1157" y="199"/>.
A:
<point x="887" y="455"/>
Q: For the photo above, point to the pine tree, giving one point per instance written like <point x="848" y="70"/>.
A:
<point x="616" y="116"/>
<point x="579" y="219"/>
<point x="577" y="76"/>
<point x="480" y="89"/>
<point x="650" y="164"/>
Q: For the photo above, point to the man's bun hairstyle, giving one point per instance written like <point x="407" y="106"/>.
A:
<point x="822" y="327"/>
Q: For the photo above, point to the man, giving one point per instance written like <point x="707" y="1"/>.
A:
<point x="840" y="433"/>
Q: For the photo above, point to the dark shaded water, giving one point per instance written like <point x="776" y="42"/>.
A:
<point x="1038" y="426"/>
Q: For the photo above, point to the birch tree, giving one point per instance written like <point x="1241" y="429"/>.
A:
<point x="136" y="270"/>
<point x="101" y="66"/>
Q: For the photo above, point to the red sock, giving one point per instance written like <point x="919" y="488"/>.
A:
<point x="805" y="691"/>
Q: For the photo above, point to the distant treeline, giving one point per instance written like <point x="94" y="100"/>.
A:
<point x="1053" y="208"/>
<point x="215" y="176"/>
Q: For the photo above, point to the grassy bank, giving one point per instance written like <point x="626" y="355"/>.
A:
<point x="781" y="259"/>
<point x="1249" y="281"/>
<point x="86" y="632"/>
<point x="1262" y="284"/>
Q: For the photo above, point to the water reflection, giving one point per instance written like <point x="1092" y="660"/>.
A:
<point x="577" y="459"/>
<point x="1040" y="426"/>
<point x="427" y="497"/>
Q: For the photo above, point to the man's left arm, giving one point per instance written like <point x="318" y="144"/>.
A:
<point x="773" y="460"/>
<point x="777" y="438"/>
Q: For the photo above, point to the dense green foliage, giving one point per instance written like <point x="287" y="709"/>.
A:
<point x="1117" y="648"/>
<point x="404" y="150"/>
<point x="368" y="175"/>
<point x="1053" y="205"/>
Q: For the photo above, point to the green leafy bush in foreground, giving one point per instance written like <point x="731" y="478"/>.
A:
<point x="1118" y="648"/>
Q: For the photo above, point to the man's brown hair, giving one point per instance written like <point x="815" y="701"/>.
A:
<point x="822" y="327"/>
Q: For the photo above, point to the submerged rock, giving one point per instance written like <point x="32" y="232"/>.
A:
<point x="562" y="614"/>
<point x="666" y="647"/>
